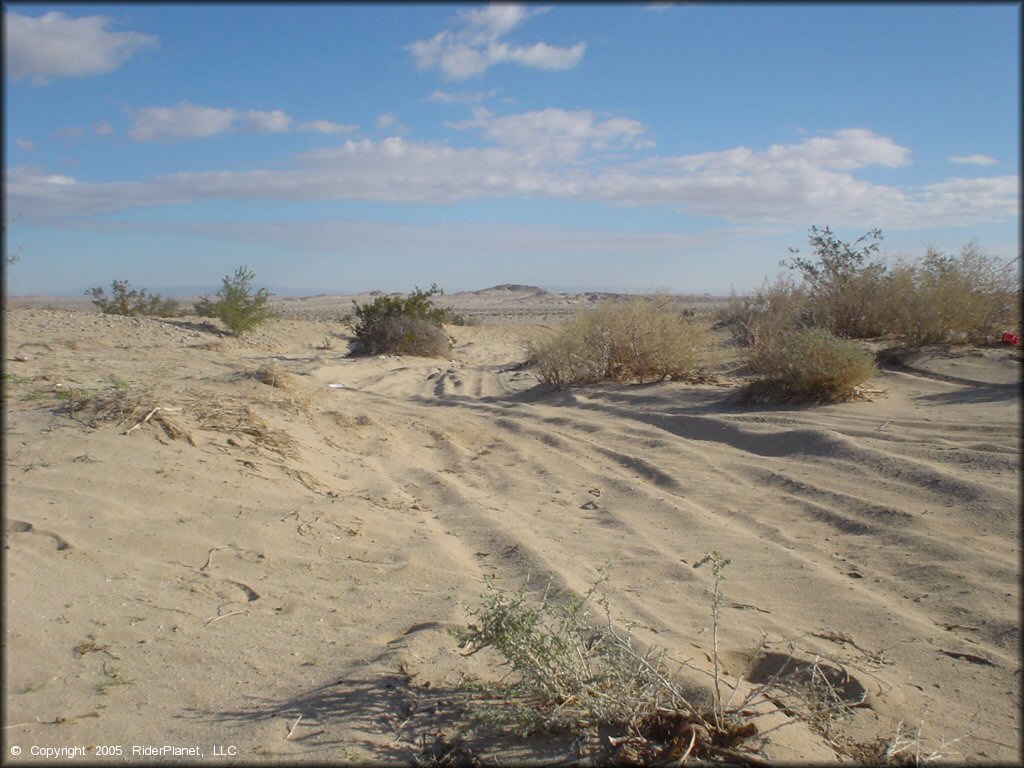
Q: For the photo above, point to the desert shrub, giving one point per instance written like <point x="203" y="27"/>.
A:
<point x="643" y="339"/>
<point x="409" y="325"/>
<point x="125" y="300"/>
<point x="844" y="287"/>
<point x="814" y="364"/>
<point x="941" y="298"/>
<point x="760" y="321"/>
<point x="237" y="306"/>
<point x="573" y="670"/>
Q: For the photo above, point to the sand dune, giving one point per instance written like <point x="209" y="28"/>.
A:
<point x="274" y="567"/>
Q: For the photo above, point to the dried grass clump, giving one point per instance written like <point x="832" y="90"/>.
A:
<point x="295" y="394"/>
<point x="139" y="406"/>
<point x="235" y="416"/>
<point x="125" y="405"/>
<point x="117" y="405"/>
<point x="644" y="339"/>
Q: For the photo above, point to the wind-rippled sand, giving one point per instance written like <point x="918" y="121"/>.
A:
<point x="274" y="566"/>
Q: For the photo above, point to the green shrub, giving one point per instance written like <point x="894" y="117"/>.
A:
<point x="410" y="325"/>
<point x="237" y="306"/>
<point x="643" y="339"/>
<point x="125" y="300"/>
<point x="813" y="364"/>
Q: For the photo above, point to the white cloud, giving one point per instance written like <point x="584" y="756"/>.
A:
<point x="103" y="128"/>
<point x="193" y="121"/>
<point x="186" y="120"/>
<point x="973" y="160"/>
<point x="474" y="44"/>
<point x="326" y="126"/>
<point x="25" y="145"/>
<point x="462" y="97"/>
<point x="557" y="154"/>
<point x="386" y="120"/>
<point x="55" y="45"/>
<point x="266" y="122"/>
<point x="557" y="134"/>
<point x="485" y="25"/>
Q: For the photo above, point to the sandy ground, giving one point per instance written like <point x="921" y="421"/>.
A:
<point x="268" y="571"/>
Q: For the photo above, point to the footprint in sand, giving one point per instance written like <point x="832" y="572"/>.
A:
<point x="20" y="526"/>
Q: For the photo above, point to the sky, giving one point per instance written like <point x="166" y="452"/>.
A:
<point x="338" y="148"/>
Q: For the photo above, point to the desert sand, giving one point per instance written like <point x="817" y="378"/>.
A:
<point x="267" y="569"/>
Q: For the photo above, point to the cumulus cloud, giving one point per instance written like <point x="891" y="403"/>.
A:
<point x="55" y="45"/>
<point x="558" y="154"/>
<point x="474" y="44"/>
<point x="973" y="160"/>
<point x="557" y="134"/>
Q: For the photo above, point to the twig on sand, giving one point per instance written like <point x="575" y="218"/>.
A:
<point x="210" y="621"/>
<point x="294" y="726"/>
<point x="209" y="555"/>
<point x="145" y="420"/>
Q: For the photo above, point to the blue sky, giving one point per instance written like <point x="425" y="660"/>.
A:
<point x="338" y="148"/>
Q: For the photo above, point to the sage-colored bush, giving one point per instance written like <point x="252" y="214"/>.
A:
<point x="972" y="297"/>
<point x="814" y="364"/>
<point x="643" y="339"/>
<point x="409" y="325"/>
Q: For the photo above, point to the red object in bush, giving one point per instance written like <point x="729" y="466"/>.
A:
<point x="1011" y="338"/>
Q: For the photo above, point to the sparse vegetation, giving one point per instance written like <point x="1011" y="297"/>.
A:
<point x="943" y="298"/>
<point x="843" y="284"/>
<point x="643" y="339"/>
<point x="798" y="334"/>
<point x="939" y="298"/>
<point x="125" y="300"/>
<point x="410" y="325"/>
<point x="575" y="672"/>
<point x="237" y="306"/>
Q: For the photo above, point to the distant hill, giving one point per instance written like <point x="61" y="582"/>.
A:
<point x="512" y="288"/>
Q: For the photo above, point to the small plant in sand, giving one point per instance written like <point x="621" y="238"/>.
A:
<point x="409" y="325"/>
<point x="813" y="364"/>
<point x="237" y="306"/>
<point x="573" y="670"/>
<point x="643" y="339"/>
<point x="125" y="300"/>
